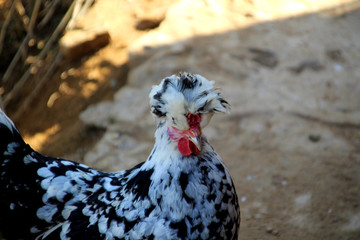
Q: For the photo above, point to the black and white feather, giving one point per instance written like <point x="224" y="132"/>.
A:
<point x="169" y="196"/>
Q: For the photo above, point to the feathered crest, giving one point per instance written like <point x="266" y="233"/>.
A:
<point x="185" y="93"/>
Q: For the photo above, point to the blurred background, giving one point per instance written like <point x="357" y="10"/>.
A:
<point x="75" y="78"/>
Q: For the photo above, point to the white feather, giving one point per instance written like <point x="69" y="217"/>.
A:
<point x="6" y="121"/>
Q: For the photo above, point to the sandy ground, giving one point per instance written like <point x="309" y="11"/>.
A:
<point x="290" y="70"/>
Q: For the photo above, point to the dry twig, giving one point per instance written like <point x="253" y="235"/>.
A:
<point x="15" y="59"/>
<point x="77" y="8"/>
<point x="5" y="24"/>
<point x="49" y="14"/>
<point x="34" y="16"/>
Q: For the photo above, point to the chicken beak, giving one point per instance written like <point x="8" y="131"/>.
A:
<point x="196" y="140"/>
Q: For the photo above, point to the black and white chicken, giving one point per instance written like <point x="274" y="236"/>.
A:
<point x="182" y="191"/>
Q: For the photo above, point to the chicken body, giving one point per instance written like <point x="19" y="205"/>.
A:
<point x="169" y="196"/>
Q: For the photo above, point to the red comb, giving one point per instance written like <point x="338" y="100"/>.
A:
<point x="194" y="120"/>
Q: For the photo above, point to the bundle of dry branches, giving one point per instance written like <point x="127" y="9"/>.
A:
<point x="42" y="15"/>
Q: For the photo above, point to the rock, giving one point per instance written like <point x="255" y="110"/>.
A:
<point x="309" y="64"/>
<point x="335" y="55"/>
<point x="130" y="106"/>
<point x="264" y="57"/>
<point x="117" y="151"/>
<point x="314" y="137"/>
<point x="302" y="201"/>
<point x="271" y="230"/>
<point x="79" y="42"/>
<point x="150" y="18"/>
<point x="276" y="232"/>
<point x="146" y="24"/>
<point x="98" y="115"/>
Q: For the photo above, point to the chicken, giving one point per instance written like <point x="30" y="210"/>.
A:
<point x="182" y="191"/>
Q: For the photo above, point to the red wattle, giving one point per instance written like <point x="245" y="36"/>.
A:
<point x="183" y="146"/>
<point x="186" y="147"/>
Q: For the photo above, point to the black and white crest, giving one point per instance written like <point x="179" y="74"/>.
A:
<point x="186" y="93"/>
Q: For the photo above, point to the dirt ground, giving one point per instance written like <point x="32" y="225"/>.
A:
<point x="292" y="141"/>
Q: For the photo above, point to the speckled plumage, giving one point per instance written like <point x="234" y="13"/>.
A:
<point x="169" y="196"/>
